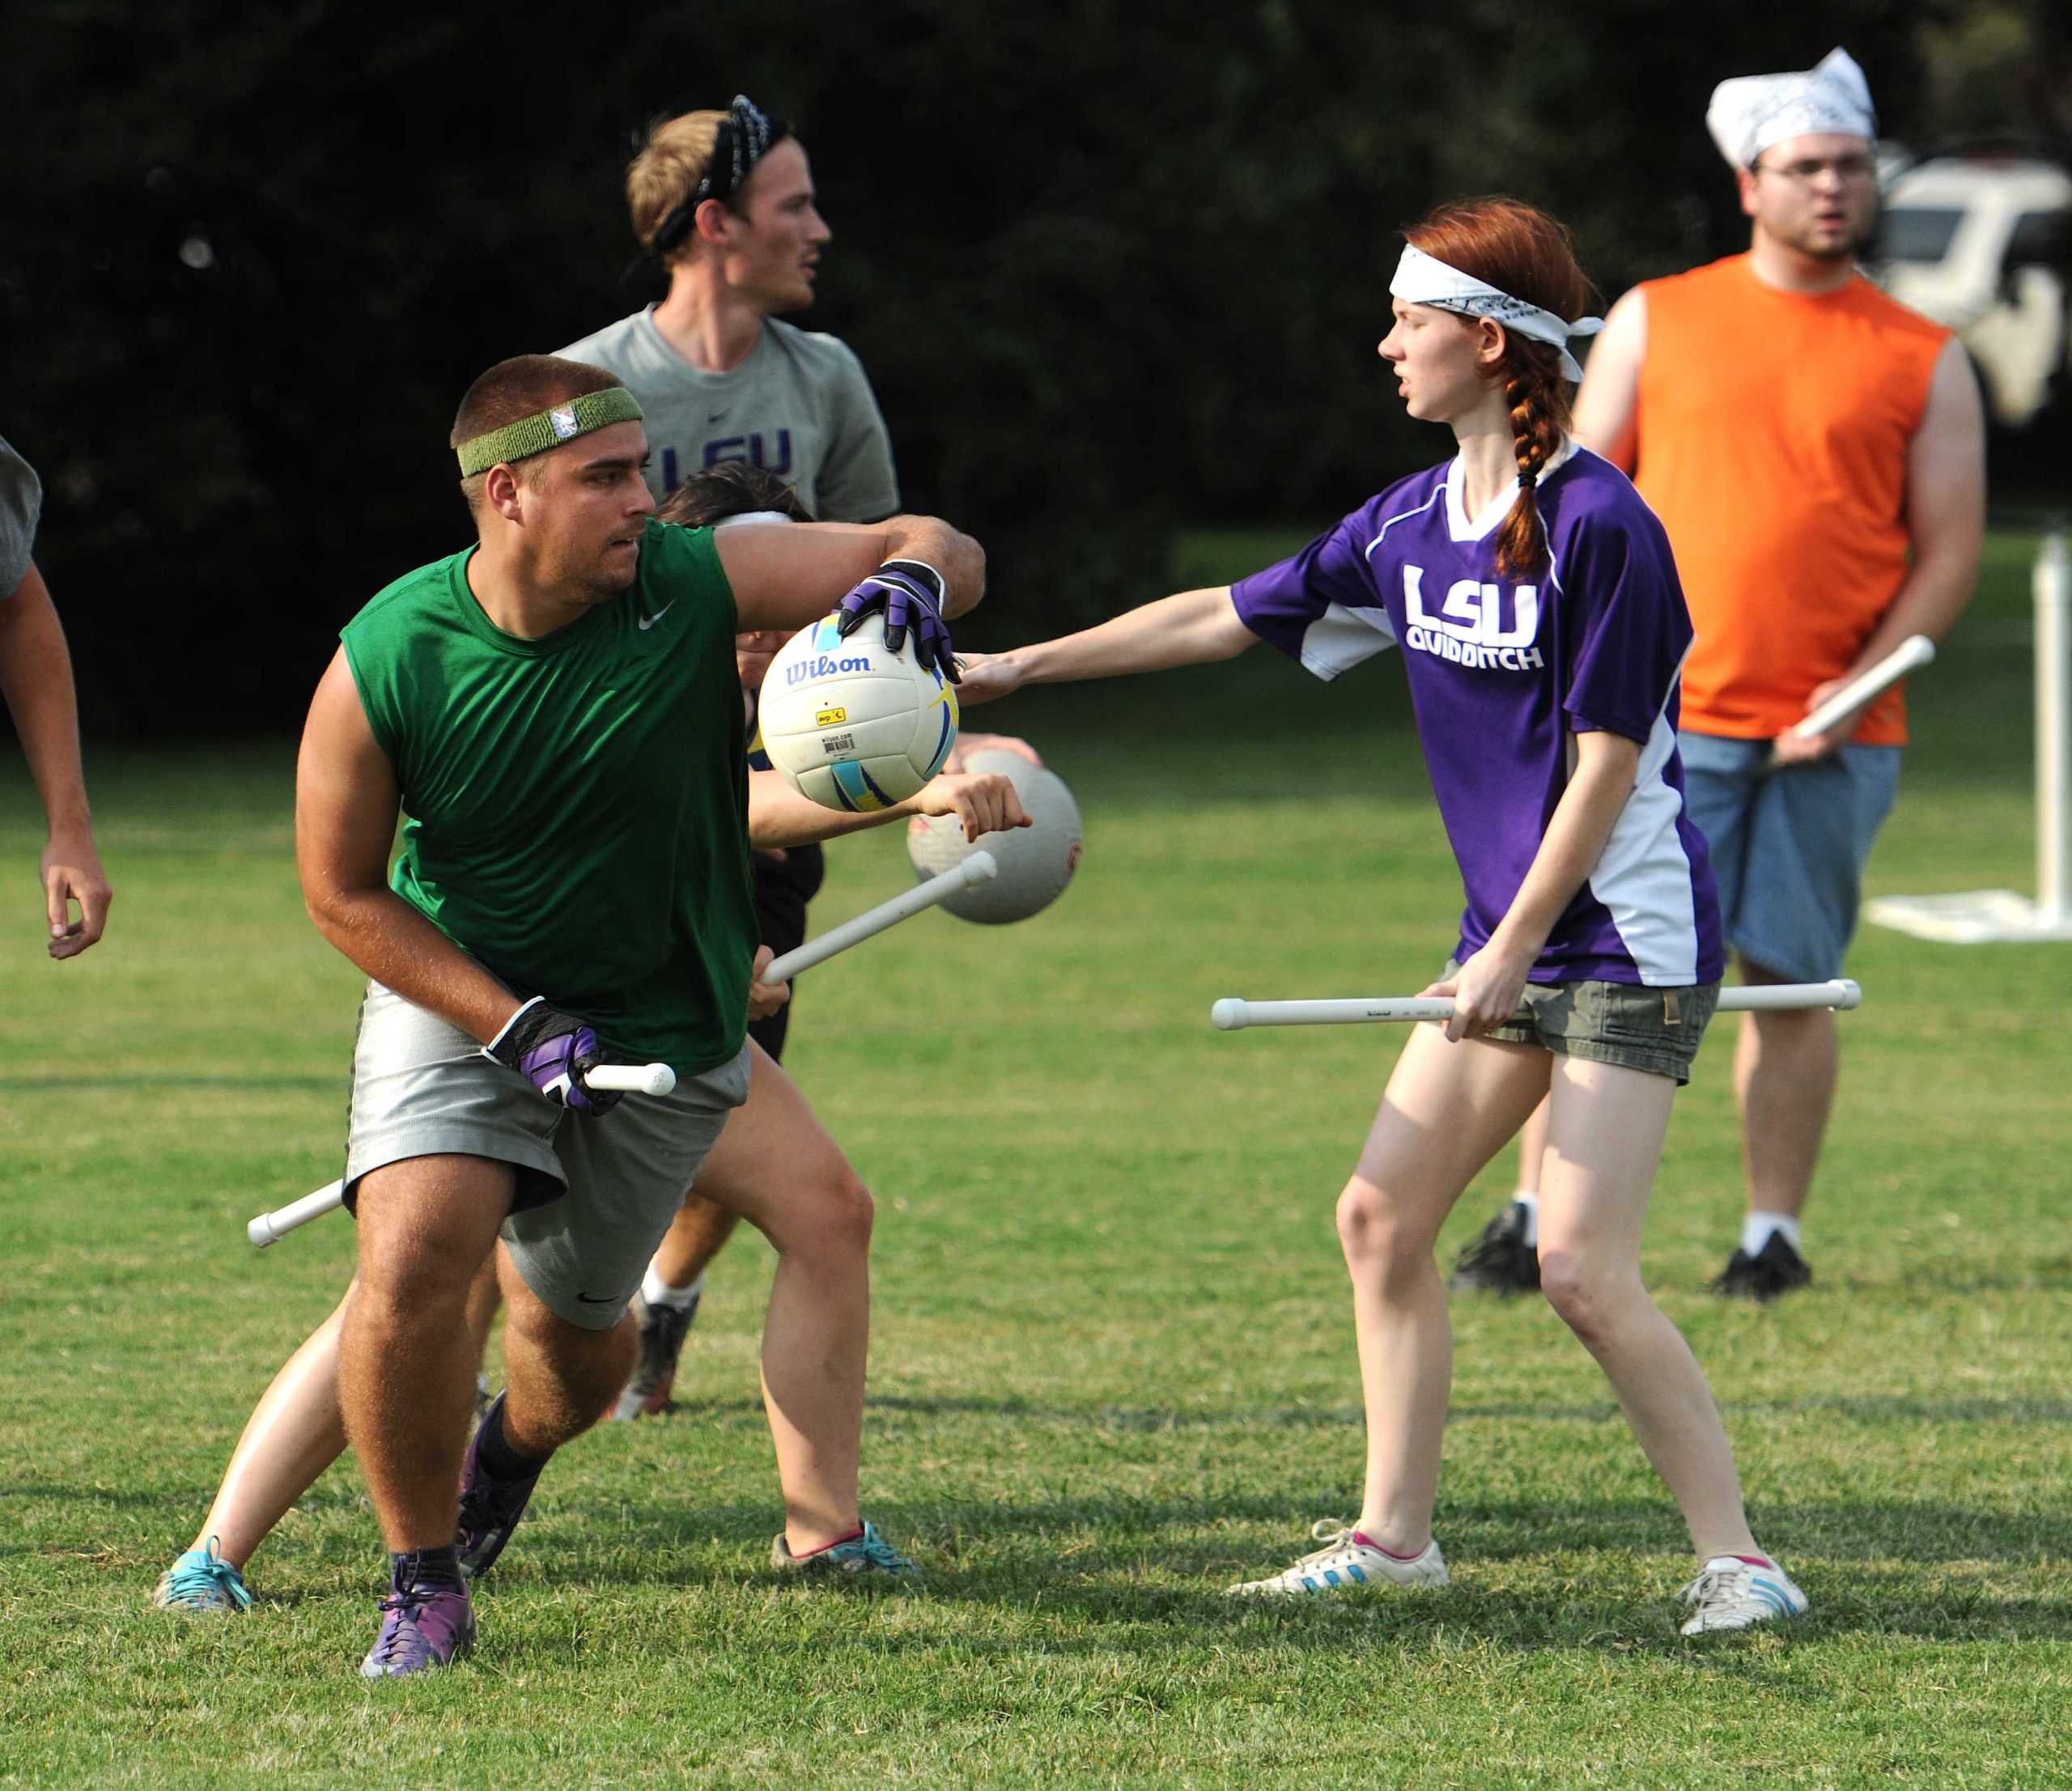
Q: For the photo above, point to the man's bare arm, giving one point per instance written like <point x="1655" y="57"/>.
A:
<point x="36" y="682"/>
<point x="1945" y="509"/>
<point x="1608" y="407"/>
<point x="785" y="575"/>
<point x="347" y="801"/>
<point x="1945" y="526"/>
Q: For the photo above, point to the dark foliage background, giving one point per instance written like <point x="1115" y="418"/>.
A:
<point x="1111" y="266"/>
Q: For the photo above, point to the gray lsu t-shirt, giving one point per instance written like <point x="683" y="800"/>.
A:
<point x="798" y="406"/>
<point x="21" y="502"/>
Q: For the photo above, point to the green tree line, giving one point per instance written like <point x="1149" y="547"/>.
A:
<point x="1111" y="266"/>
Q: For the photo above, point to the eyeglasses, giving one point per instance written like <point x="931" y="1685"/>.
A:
<point x="1844" y="168"/>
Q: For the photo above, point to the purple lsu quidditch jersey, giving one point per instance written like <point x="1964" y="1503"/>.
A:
<point x="1502" y="673"/>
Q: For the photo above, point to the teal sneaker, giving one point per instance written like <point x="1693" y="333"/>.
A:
<point x="203" y="1581"/>
<point x="865" y="1556"/>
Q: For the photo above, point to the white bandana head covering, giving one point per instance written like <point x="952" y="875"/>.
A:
<point x="1750" y="113"/>
<point x="751" y="516"/>
<point x="1421" y="280"/>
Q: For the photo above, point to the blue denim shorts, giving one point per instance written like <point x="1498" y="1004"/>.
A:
<point x="1788" y="851"/>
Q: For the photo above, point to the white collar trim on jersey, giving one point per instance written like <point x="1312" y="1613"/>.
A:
<point x="1463" y="527"/>
<point x="1422" y="280"/>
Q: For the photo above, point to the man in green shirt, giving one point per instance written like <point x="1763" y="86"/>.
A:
<point x="555" y="711"/>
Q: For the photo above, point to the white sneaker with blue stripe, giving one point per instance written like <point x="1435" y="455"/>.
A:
<point x="1733" y="1591"/>
<point x="1346" y="1563"/>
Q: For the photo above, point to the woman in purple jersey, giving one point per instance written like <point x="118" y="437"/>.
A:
<point x="1537" y="605"/>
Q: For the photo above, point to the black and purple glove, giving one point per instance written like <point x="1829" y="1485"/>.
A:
<point x="553" y="1050"/>
<point x="910" y="593"/>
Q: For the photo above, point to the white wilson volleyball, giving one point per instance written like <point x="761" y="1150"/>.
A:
<point x="850" y="724"/>
<point x="1035" y="862"/>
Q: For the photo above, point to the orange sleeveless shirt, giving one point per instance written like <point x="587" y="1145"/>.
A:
<point x="1773" y="430"/>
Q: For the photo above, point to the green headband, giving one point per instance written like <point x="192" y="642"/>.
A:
<point x="546" y="429"/>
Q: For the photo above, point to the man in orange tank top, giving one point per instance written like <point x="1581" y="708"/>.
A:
<point x="1816" y="452"/>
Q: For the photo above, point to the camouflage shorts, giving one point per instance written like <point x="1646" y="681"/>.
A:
<point x="1655" y="1030"/>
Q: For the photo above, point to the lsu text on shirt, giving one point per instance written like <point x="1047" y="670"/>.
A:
<point x="799" y="406"/>
<point x="1502" y="671"/>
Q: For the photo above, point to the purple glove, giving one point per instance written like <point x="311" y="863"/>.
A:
<point x="910" y="592"/>
<point x="553" y="1051"/>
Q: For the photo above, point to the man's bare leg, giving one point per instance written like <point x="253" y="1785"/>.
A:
<point x="559" y="1378"/>
<point x="1786" y="1065"/>
<point x="776" y="1166"/>
<point x="406" y="1361"/>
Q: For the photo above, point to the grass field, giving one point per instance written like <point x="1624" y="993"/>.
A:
<point x="1113" y="1366"/>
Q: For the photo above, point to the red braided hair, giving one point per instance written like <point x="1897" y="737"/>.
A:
<point x="1506" y="244"/>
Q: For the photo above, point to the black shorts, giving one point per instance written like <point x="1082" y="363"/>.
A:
<point x="783" y="888"/>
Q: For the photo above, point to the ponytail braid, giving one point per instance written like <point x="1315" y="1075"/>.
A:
<point x="1540" y="405"/>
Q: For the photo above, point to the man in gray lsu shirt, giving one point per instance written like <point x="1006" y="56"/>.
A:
<point x="724" y="201"/>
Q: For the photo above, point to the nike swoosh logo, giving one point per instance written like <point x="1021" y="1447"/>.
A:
<point x="608" y="1300"/>
<point x="647" y="622"/>
<point x="717" y="417"/>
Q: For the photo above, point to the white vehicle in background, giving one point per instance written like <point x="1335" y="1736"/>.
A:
<point x="1983" y="244"/>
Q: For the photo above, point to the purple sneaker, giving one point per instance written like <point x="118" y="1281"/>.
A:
<point x="490" y="1508"/>
<point x="422" y="1627"/>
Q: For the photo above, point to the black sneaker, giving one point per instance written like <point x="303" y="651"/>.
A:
<point x="1500" y="1261"/>
<point x="663" y="1330"/>
<point x="490" y="1508"/>
<point x="1776" y="1268"/>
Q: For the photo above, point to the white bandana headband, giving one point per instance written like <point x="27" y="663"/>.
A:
<point x="1751" y="112"/>
<point x="1421" y="280"/>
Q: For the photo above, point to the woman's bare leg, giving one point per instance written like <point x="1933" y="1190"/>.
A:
<point x="1448" y="1110"/>
<point x="776" y="1167"/>
<point x="1604" y="1143"/>
<point x="296" y="1430"/>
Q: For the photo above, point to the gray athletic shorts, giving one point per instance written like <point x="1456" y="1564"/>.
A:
<point x="595" y="1194"/>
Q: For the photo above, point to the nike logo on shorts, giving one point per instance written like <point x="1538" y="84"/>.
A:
<point x="647" y="622"/>
<point x="604" y="1300"/>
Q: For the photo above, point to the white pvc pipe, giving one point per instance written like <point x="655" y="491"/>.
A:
<point x="2052" y="586"/>
<point x="656" y="1079"/>
<point x="979" y="868"/>
<point x="1914" y="651"/>
<point x="270" y="1227"/>
<point x="1234" y="1014"/>
<point x="659" y="1078"/>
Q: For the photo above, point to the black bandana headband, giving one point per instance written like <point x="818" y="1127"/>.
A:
<point x="745" y="135"/>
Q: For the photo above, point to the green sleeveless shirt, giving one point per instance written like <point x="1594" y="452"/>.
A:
<point x="577" y="806"/>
